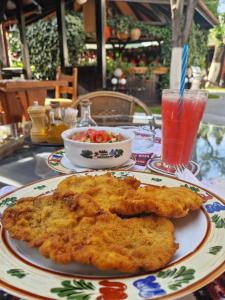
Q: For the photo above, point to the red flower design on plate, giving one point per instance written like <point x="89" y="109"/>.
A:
<point x="112" y="290"/>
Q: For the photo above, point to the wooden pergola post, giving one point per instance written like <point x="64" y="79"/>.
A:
<point x="22" y="30"/>
<point x="60" y="12"/>
<point x="3" y="60"/>
<point x="101" y="51"/>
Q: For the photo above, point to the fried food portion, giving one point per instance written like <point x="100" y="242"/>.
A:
<point x="172" y="202"/>
<point x="75" y="228"/>
<point x="126" y="196"/>
<point x="109" y="242"/>
<point x="106" y="189"/>
<point x="34" y="219"/>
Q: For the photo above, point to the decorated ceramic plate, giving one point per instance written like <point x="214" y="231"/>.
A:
<point x="157" y="166"/>
<point x="199" y="259"/>
<point x="59" y="162"/>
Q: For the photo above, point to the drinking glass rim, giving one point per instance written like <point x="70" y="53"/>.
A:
<point x="186" y="92"/>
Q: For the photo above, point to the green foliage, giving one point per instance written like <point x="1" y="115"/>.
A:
<point x="213" y="5"/>
<point x="136" y="24"/>
<point x="213" y="96"/>
<point x="112" y="65"/>
<point x="14" y="40"/>
<point x="15" y="47"/>
<point x="164" y="81"/>
<point x="43" y="43"/>
<point x="163" y="34"/>
<point x="197" y="54"/>
<point x="218" y="32"/>
<point x="122" y="23"/>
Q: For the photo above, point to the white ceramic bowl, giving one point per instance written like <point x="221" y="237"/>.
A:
<point x="98" y="155"/>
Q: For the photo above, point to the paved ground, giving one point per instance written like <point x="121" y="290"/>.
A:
<point x="215" y="109"/>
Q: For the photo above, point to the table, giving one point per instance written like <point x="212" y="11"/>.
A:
<point x="17" y="95"/>
<point x="209" y="153"/>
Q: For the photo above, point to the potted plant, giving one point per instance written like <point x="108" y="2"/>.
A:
<point x="135" y="32"/>
<point x="122" y="27"/>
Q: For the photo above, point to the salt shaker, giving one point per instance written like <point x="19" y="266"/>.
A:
<point x="37" y="114"/>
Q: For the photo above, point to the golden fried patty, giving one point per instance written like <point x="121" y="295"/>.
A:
<point x="109" y="242"/>
<point x="73" y="227"/>
<point x="126" y="196"/>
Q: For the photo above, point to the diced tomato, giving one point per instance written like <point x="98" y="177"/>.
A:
<point x="91" y="134"/>
<point x="80" y="136"/>
<point x="101" y="137"/>
<point x="96" y="136"/>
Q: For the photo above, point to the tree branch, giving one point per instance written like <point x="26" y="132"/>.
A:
<point x="177" y="7"/>
<point x="190" y="10"/>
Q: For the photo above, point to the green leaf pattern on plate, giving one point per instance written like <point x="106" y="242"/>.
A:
<point x="180" y="277"/>
<point x="60" y="152"/>
<point x="40" y="187"/>
<point x="74" y="289"/>
<point x="120" y="174"/>
<point x="156" y="179"/>
<point x="191" y="187"/>
<point x="9" y="201"/>
<point x="218" y="221"/>
<point x="214" y="250"/>
<point x="17" y="273"/>
<point x="53" y="163"/>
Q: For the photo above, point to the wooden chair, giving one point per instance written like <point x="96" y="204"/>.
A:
<point x="66" y="95"/>
<point x="113" y="103"/>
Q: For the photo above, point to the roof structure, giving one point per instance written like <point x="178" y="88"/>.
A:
<point x="156" y="12"/>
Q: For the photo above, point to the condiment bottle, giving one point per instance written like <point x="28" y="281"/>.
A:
<point x="37" y="114"/>
<point x="56" y="123"/>
<point x="86" y="119"/>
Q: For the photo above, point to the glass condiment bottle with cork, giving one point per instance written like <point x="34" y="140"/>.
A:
<point x="39" y="127"/>
<point x="86" y="119"/>
<point x="56" y="123"/>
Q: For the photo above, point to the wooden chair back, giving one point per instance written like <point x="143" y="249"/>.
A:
<point x="113" y="103"/>
<point x="70" y="90"/>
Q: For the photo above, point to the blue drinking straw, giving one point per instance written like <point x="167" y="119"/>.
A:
<point x="183" y="74"/>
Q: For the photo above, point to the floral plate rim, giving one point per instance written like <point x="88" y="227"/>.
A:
<point x="152" y="283"/>
<point x="55" y="163"/>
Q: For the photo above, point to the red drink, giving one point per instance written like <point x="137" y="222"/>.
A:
<point x="180" y="126"/>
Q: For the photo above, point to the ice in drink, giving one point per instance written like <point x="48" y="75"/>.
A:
<point x="180" y="125"/>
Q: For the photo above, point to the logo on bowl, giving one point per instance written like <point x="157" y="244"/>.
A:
<point x="101" y="153"/>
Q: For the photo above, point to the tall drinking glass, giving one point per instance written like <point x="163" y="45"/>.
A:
<point x="180" y="122"/>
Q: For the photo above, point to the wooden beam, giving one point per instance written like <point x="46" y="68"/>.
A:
<point x="2" y="49"/>
<point x="2" y="10"/>
<point x="100" y="8"/>
<point x="125" y="9"/>
<point x="60" y="13"/>
<point x="22" y="30"/>
<point x="144" y="1"/>
<point x="5" y="45"/>
<point x="155" y="11"/>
